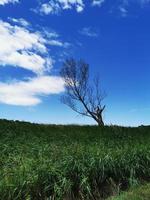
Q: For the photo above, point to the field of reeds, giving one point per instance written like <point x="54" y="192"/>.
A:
<point x="51" y="162"/>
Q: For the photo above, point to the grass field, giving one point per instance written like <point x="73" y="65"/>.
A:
<point x="48" y="162"/>
<point x="137" y="193"/>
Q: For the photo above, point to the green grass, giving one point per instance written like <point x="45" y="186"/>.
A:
<point x="41" y="162"/>
<point x="138" y="193"/>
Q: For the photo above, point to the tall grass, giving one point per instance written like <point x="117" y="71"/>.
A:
<point x="48" y="162"/>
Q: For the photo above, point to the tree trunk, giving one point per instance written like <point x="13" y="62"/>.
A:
<point x="100" y="121"/>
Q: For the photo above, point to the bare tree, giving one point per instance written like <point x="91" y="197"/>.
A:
<point x="82" y="95"/>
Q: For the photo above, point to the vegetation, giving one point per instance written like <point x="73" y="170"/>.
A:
<point x="138" y="193"/>
<point x="45" y="162"/>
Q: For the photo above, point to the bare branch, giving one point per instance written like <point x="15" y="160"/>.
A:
<point x="82" y="97"/>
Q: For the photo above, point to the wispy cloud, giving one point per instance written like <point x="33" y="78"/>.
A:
<point x="89" y="32"/>
<point x="3" y="2"/>
<point x="123" y="11"/>
<point x="56" y="6"/>
<point x="98" y="2"/>
<point x="19" y="21"/>
<point x="124" y="6"/>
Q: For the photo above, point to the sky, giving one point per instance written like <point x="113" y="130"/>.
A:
<point x="36" y="36"/>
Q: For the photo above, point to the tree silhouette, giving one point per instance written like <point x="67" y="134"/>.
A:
<point x="82" y="95"/>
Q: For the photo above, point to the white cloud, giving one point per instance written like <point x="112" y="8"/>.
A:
<point x="19" y="21"/>
<point x="49" y="8"/>
<point x="123" y="11"/>
<point x="98" y="2"/>
<point x="3" y="2"/>
<point x="56" y="6"/>
<point x="125" y="5"/>
<point x="26" y="49"/>
<point x="22" y="48"/>
<point x="89" y="31"/>
<point x="28" y="93"/>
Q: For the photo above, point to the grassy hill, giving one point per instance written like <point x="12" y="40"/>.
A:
<point x="49" y="162"/>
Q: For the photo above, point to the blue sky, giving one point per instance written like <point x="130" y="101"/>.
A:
<point x="112" y="36"/>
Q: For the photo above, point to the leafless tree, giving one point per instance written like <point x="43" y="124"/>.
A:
<point x="82" y="95"/>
